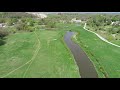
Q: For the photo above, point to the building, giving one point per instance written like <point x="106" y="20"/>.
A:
<point x="115" y="23"/>
<point x="75" y="21"/>
<point x="2" y="25"/>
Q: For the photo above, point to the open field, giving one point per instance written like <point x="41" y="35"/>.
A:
<point x="32" y="47"/>
<point x="36" y="54"/>
<point x="43" y="54"/>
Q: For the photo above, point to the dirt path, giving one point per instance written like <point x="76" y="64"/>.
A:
<point x="35" y="54"/>
<point x="103" y="39"/>
<point x="30" y="61"/>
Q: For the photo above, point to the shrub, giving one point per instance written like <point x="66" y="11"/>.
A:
<point x="21" y="26"/>
<point x="3" y="33"/>
<point x="114" y="30"/>
<point x="40" y="22"/>
<point x="51" y="25"/>
<point x="12" y="30"/>
<point x="30" y="29"/>
<point x="110" y="37"/>
<point x="2" y="20"/>
<point x="11" y="21"/>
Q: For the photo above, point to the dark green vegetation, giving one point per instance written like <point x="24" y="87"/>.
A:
<point x="3" y="33"/>
<point x="34" y="47"/>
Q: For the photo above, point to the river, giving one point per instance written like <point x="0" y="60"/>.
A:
<point x="86" y="68"/>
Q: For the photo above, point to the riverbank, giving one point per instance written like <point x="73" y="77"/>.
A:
<point x="104" y="56"/>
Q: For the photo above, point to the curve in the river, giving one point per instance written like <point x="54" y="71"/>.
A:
<point x="86" y="68"/>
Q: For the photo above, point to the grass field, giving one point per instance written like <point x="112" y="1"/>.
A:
<point x="44" y="54"/>
<point x="104" y="56"/>
<point x="37" y="54"/>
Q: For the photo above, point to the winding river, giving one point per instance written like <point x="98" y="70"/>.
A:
<point x="86" y="68"/>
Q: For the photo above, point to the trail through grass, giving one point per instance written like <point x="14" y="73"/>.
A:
<point x="37" y="54"/>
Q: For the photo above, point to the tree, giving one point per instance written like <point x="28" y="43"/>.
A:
<point x="114" y="30"/>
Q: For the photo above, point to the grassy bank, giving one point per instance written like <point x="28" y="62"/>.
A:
<point x="105" y="57"/>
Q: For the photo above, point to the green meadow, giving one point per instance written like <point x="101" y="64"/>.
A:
<point x="40" y="54"/>
<point x="35" y="48"/>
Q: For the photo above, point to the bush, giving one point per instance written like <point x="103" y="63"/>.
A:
<point x="110" y="37"/>
<point x="51" y="25"/>
<point x="2" y="20"/>
<point x="3" y="33"/>
<point x="114" y="30"/>
<point x="21" y="26"/>
<point x="40" y="22"/>
<point x="11" y="21"/>
<point x="30" y="29"/>
<point x="12" y="30"/>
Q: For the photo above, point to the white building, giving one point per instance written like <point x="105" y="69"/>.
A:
<point x="115" y="23"/>
<point x="76" y="21"/>
<point x="2" y="25"/>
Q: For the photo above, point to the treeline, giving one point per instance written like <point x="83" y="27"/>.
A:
<point x="23" y="22"/>
<point x="13" y="22"/>
<point x="99" y="21"/>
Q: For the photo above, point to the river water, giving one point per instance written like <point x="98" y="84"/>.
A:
<point x="86" y="68"/>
